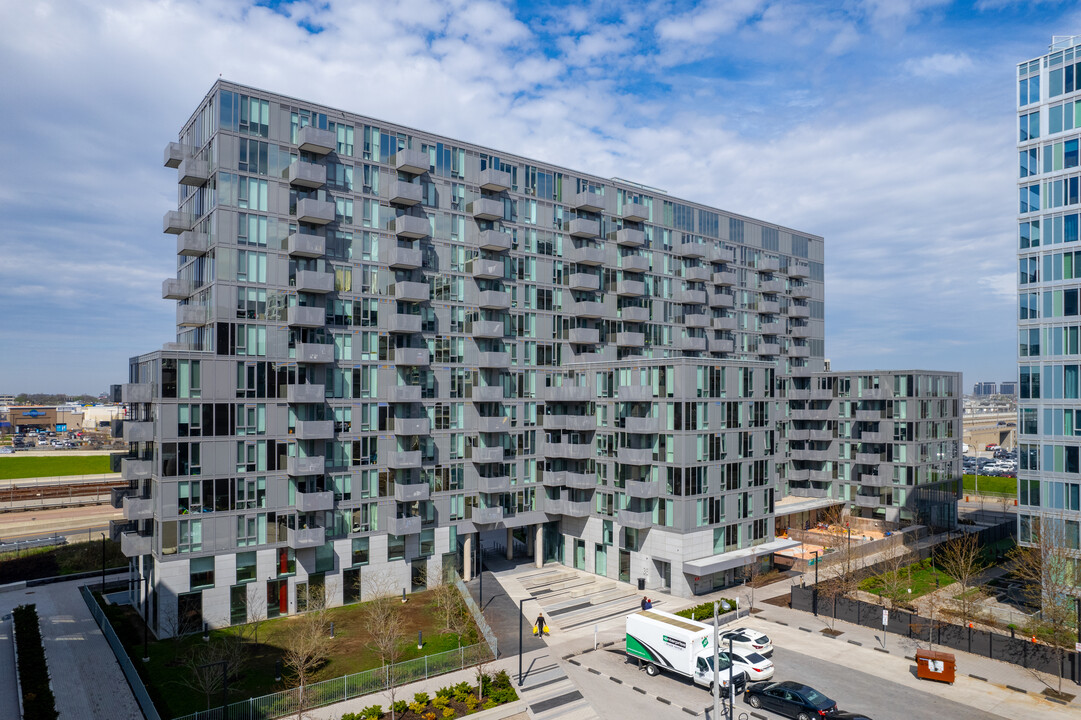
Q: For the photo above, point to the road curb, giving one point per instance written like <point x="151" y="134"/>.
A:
<point x="882" y="650"/>
<point x="1017" y="689"/>
<point x="977" y="677"/>
<point x="855" y="642"/>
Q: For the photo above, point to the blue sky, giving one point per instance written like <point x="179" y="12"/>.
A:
<point x="886" y="126"/>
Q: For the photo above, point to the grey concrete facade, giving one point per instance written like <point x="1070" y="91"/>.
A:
<point x="390" y="341"/>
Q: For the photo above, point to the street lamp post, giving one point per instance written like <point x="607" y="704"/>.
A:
<point x="146" y="616"/>
<point x="103" y="563"/>
<point x="814" y="601"/>
<point x="716" y="664"/>
<point x="521" y="620"/>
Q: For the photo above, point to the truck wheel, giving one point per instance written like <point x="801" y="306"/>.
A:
<point x="652" y="670"/>
<point x="754" y="702"/>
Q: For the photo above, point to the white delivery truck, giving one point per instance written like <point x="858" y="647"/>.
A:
<point x="674" y="644"/>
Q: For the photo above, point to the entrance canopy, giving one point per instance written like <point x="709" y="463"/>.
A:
<point x="736" y="558"/>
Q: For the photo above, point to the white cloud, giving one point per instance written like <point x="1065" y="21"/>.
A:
<point x="716" y="17"/>
<point x="939" y="65"/>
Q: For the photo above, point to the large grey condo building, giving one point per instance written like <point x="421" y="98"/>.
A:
<point x="390" y="344"/>
<point x="1049" y="283"/>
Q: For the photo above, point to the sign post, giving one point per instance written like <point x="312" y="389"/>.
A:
<point x="885" y="622"/>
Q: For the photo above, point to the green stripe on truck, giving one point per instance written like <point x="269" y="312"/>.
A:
<point x="636" y="648"/>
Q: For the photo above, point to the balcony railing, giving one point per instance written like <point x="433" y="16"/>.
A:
<point x="635" y="519"/>
<point x="305" y="537"/>
<point x="300" y="466"/>
<point x="315" y="501"/>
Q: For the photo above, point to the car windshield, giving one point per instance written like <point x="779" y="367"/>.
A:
<point x="724" y="664"/>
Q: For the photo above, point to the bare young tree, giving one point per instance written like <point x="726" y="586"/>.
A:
<point x="962" y="559"/>
<point x="207" y="666"/>
<point x="893" y="586"/>
<point x="450" y="606"/>
<point x="385" y="621"/>
<point x="256" y="614"/>
<point x="177" y="626"/>
<point x="1050" y="576"/>
<point x="307" y="648"/>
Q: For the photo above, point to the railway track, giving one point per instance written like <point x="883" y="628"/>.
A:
<point x="25" y="493"/>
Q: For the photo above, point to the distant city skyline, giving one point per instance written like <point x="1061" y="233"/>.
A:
<point x="886" y="128"/>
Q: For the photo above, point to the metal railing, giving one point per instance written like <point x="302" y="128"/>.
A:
<point x="478" y="617"/>
<point x="328" y="692"/>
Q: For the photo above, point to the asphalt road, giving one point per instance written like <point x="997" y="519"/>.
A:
<point x="853" y="690"/>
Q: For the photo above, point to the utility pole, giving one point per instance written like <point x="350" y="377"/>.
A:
<point x="814" y="596"/>
<point x="716" y="664"/>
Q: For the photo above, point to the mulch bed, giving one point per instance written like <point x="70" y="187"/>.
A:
<point x="784" y="601"/>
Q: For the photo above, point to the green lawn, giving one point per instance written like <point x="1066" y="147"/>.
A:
<point x="18" y="467"/>
<point x="918" y="576"/>
<point x="351" y="653"/>
<point x="1000" y="485"/>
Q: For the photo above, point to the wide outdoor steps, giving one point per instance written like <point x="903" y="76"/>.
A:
<point x="572" y="599"/>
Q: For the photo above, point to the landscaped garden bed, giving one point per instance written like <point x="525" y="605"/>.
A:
<point x="38" y="702"/>
<point x="704" y="611"/>
<point x="449" y="702"/>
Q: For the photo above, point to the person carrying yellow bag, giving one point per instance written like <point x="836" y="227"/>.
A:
<point x="540" y="628"/>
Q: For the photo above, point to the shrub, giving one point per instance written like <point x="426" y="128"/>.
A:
<point x="372" y="712"/>
<point x="448" y="713"/>
<point x="470" y="702"/>
<point x="445" y="692"/>
<point x="421" y="699"/>
<point x="428" y="716"/>
<point x="440" y="702"/>
<point x="399" y="706"/>
<point x="489" y="704"/>
<point x="705" y="610"/>
<point x="38" y="700"/>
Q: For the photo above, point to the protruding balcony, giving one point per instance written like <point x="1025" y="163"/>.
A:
<point x="315" y="501"/>
<point x="300" y="466"/>
<point x="414" y="162"/>
<point x="698" y="273"/>
<point x="487" y="455"/>
<point x="493" y="240"/>
<point x="399" y="192"/>
<point x="635" y="212"/>
<point x="769" y="349"/>
<point x="801" y="292"/>
<point x="585" y="255"/>
<point x="634" y="456"/>
<point x="809" y="455"/>
<point x="191" y="244"/>
<point x="635" y="519"/>
<point x="588" y="201"/>
<point x="722" y="345"/>
<point x="691" y="344"/>
<point x="485" y="209"/>
<point x="579" y="480"/>
<point x="411" y="227"/>
<point x="585" y="335"/>
<point x="414" y="357"/>
<point x="868" y="501"/>
<point x="799" y="311"/>
<point x="631" y="288"/>
<point x="634" y="314"/>
<point x="643" y="488"/>
<point x="484" y="269"/>
<point x="314" y="430"/>
<point x="193" y="172"/>
<point x="487" y="329"/>
<point x="191" y="315"/>
<point x="770" y="328"/>
<point x="403" y="460"/>
<point x="580" y="423"/>
<point x="699" y="320"/>
<point x="495" y="424"/>
<point x="721" y="254"/>
<point x="724" y="278"/>
<point x="305" y="537"/>
<point x="138" y="431"/>
<point x="808" y="492"/>
<point x="630" y="339"/>
<point x="493" y="300"/>
<point x="315" y="212"/>
<point x="577" y="508"/>
<point x="634" y="263"/>
<point x="175" y="222"/>
<point x="173" y="289"/>
<point x="307" y="175"/>
<point x="630" y="237"/>
<point x="305" y="245"/>
<point x="566" y="393"/>
<point x="584" y="281"/>
<point x="768" y="264"/>
<point x="799" y="270"/>
<point x="412" y="492"/>
<point x="494" y="180"/>
<point x="634" y="393"/>
<point x="412" y="426"/>
<point x="400" y="323"/>
<point x="719" y="299"/>
<point x="494" y="484"/>
<point x="643" y="425"/>
<point x="690" y="249"/>
<point x="317" y="142"/>
<point x="487" y="393"/>
<point x="487" y="516"/>
<point x="132" y="469"/>
<point x="876" y="480"/>
<point x="403" y="525"/>
<point x="497" y="360"/>
<point x="584" y="228"/>
<point x="412" y="291"/>
<point x="587" y="309"/>
<point x="138" y="508"/>
<point x="799" y="351"/>
<point x="314" y="281"/>
<point x="174" y="153"/>
<point x="690" y="297"/>
<point x="136" y="392"/>
<point x="305" y="393"/>
<point x="568" y="451"/>
<point x="810" y="414"/>
<point x="134" y="544"/>
<point x="304" y="316"/>
<point x="769" y="307"/>
<point x="403" y="393"/>
<point x="314" y="353"/>
<point x="400" y="258"/>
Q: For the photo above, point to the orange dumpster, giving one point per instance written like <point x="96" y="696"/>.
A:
<point x="934" y="665"/>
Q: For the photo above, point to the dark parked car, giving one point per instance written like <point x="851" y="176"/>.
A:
<point x="848" y="716"/>
<point x="791" y="699"/>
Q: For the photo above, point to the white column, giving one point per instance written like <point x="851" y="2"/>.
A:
<point x="467" y="558"/>
<point x="510" y="544"/>
<point x="538" y="546"/>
